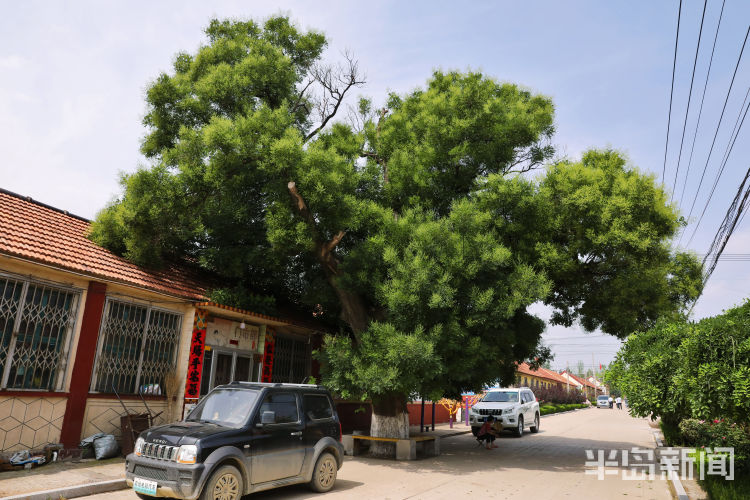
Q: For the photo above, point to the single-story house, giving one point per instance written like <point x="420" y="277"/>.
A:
<point x="79" y="324"/>
<point x="542" y="377"/>
<point x="585" y="386"/>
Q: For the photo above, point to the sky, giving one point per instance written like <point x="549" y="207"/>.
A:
<point x="73" y="77"/>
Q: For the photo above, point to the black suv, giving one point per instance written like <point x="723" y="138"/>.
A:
<point x="241" y="438"/>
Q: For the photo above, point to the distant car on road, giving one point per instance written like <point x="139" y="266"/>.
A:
<point x="602" y="401"/>
<point x="513" y="408"/>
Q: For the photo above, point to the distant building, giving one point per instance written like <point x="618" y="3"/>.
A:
<point x="585" y="386"/>
<point x="542" y="377"/>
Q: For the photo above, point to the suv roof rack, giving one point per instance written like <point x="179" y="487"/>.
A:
<point x="275" y="384"/>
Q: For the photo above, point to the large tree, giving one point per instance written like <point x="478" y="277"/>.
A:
<point x="410" y="227"/>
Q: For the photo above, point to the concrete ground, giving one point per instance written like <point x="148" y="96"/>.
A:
<point x="547" y="465"/>
<point x="60" y="475"/>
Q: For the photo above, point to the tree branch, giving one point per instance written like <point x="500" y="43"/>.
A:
<point x="335" y="83"/>
<point x="331" y="244"/>
<point x="301" y="95"/>
<point x="354" y="310"/>
<point x="300" y="205"/>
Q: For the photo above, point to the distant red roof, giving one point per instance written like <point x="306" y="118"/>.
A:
<point x="582" y="381"/>
<point x="44" y="234"/>
<point x="541" y="373"/>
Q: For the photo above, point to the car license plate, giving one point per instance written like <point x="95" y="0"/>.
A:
<point x="144" y="486"/>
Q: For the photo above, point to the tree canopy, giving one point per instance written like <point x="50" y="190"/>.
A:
<point x="679" y="369"/>
<point x="411" y="227"/>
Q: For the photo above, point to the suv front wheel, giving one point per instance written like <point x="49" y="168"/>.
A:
<point x="224" y="484"/>
<point x="535" y="428"/>
<point x="519" y="429"/>
<point x="324" y="473"/>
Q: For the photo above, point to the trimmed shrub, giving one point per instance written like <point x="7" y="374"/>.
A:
<point x="718" y="433"/>
<point x="559" y="395"/>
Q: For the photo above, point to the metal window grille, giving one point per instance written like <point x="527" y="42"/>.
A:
<point x="36" y="324"/>
<point x="291" y="360"/>
<point x="137" y="348"/>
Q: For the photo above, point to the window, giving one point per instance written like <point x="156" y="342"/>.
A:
<point x="291" y="360"/>
<point x="284" y="405"/>
<point x="500" y="397"/>
<point x="317" y="406"/>
<point x="137" y="348"/>
<point x="226" y="407"/>
<point x="36" y="324"/>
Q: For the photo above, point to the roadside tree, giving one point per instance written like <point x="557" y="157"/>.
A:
<point x="679" y="369"/>
<point x="409" y="230"/>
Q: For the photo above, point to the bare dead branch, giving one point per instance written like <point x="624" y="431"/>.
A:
<point x="335" y="82"/>
<point x="301" y="96"/>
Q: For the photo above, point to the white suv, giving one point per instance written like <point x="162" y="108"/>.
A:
<point x="513" y="408"/>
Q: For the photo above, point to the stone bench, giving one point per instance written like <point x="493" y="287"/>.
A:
<point x="406" y="449"/>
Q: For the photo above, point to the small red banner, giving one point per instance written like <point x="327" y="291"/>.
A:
<point x="195" y="360"/>
<point x="268" y="357"/>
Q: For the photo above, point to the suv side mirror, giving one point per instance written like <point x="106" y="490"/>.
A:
<point x="268" y="417"/>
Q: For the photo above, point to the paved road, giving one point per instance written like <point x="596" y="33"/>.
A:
<point x="547" y="465"/>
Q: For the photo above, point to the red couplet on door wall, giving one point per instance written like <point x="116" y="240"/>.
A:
<point x="268" y="356"/>
<point x="195" y="361"/>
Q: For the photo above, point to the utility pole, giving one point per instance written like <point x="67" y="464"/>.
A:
<point x="593" y="370"/>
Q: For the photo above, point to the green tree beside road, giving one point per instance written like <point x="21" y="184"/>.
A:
<point x="680" y="369"/>
<point x="411" y="229"/>
<point x="695" y="376"/>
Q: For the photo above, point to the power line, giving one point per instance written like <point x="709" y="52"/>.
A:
<point x="727" y="227"/>
<point x="671" y="93"/>
<point x="703" y="97"/>
<point x="730" y="146"/>
<point x="690" y="94"/>
<point x="731" y="257"/>
<point x="718" y="126"/>
<point x="734" y="129"/>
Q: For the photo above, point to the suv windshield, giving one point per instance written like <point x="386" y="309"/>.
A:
<point x="501" y="397"/>
<point x="603" y="398"/>
<point x="227" y="407"/>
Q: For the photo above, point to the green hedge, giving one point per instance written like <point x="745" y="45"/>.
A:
<point x="548" y="409"/>
<point x="719" y="488"/>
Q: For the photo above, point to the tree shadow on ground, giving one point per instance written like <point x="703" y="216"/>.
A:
<point x="462" y="454"/>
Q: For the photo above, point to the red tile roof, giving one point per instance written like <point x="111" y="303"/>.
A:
<point x="541" y="373"/>
<point x="582" y="381"/>
<point x="44" y="234"/>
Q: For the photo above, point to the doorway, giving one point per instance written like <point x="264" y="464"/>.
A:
<point x="223" y="366"/>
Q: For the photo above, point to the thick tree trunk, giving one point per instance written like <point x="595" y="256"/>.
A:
<point x="353" y="309"/>
<point x="389" y="419"/>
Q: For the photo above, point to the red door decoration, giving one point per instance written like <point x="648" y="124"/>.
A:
<point x="268" y="357"/>
<point x="195" y="360"/>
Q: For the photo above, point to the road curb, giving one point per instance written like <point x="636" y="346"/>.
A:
<point x="81" y="490"/>
<point x="674" y="479"/>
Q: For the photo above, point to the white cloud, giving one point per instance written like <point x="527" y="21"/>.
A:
<point x="12" y="61"/>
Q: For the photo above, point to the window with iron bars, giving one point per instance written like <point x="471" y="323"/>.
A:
<point x="36" y="325"/>
<point x="291" y="360"/>
<point x="137" y="349"/>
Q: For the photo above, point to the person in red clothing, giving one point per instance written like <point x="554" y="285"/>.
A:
<point x="487" y="433"/>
